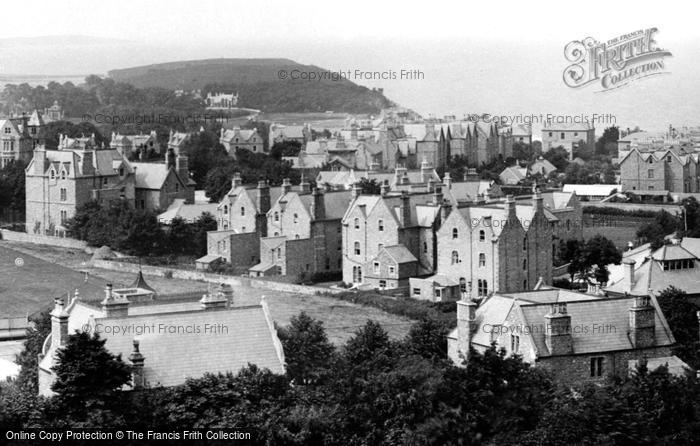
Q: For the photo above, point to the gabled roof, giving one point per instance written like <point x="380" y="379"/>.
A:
<point x="153" y="175"/>
<point x="248" y="337"/>
<point x="188" y="212"/>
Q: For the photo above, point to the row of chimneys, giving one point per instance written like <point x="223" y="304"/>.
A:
<point x="558" y="330"/>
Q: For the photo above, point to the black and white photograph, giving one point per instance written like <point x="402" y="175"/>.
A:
<point x="349" y="223"/>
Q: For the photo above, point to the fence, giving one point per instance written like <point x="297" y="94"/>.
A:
<point x="39" y="239"/>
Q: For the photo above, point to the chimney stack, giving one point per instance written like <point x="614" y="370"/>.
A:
<point x="384" y="189"/>
<point x="319" y="211"/>
<point x="425" y="171"/>
<point x="304" y="186"/>
<point x="405" y="208"/>
<point x="447" y="180"/>
<point x="628" y="277"/>
<point x="510" y="207"/>
<point x="213" y="301"/>
<point x="59" y="324"/>
<point x="236" y="181"/>
<point x="642" y="322"/>
<point x="466" y="324"/>
<point x="356" y="191"/>
<point x="538" y="202"/>
<point x="437" y="195"/>
<point x="263" y="197"/>
<point x="137" y="359"/>
<point x="286" y="186"/>
<point x="114" y="306"/>
<point x="558" y="330"/>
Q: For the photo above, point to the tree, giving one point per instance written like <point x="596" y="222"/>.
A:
<point x="205" y="223"/>
<point x="607" y="143"/>
<point x="285" y="148"/>
<point x="681" y="316"/>
<point x="655" y="232"/>
<point x="369" y="187"/>
<point x="179" y="235"/>
<point x="427" y="339"/>
<point x="217" y="183"/>
<point x="590" y="259"/>
<point x="27" y="358"/>
<point x="306" y="348"/>
<point x="558" y="156"/>
<point x="88" y="377"/>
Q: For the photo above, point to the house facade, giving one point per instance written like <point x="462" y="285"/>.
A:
<point x="304" y="233"/>
<point x="579" y="338"/>
<point x="136" y="146"/>
<point x="159" y="184"/>
<point x="241" y="218"/>
<point x="59" y="181"/>
<point x="236" y="138"/>
<point x="661" y="170"/>
<point x="491" y="248"/>
<point x="391" y="237"/>
<point x="567" y="135"/>
<point x="16" y="143"/>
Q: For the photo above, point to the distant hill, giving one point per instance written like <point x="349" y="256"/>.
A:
<point x="259" y="84"/>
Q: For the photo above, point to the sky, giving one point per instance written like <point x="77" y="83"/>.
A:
<point x="187" y="21"/>
<point x="498" y="57"/>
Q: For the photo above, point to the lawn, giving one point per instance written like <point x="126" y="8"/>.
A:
<point x="59" y="269"/>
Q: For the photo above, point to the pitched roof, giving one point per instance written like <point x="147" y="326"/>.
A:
<point x="602" y="324"/>
<point x="188" y="212"/>
<point x="570" y="126"/>
<point x="150" y="175"/>
<point x="221" y="341"/>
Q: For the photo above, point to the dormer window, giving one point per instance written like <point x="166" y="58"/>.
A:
<point x="52" y="174"/>
<point x="668" y="159"/>
<point x="225" y="209"/>
<point x="63" y="174"/>
<point x="455" y="233"/>
<point x="121" y="171"/>
<point x="482" y="235"/>
<point x="277" y="216"/>
<point x="357" y="223"/>
<point x="678" y="264"/>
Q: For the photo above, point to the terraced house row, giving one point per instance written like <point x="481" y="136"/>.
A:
<point x="433" y="239"/>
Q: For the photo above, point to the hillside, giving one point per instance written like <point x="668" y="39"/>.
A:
<point x="258" y="83"/>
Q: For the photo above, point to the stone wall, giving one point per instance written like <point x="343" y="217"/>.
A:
<point x="201" y="276"/>
<point x="39" y="239"/>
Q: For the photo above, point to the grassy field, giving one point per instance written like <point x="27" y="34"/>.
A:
<point x="54" y="269"/>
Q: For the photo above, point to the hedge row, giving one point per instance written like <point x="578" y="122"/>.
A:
<point x="616" y="211"/>
<point x="445" y="312"/>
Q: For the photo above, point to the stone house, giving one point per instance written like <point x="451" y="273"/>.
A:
<point x="494" y="247"/>
<point x="236" y="138"/>
<point x="567" y="135"/>
<point x="241" y="219"/>
<point x="176" y="142"/>
<point x="304" y="233"/>
<point x="135" y="145"/>
<point x="579" y="338"/>
<point x="400" y="227"/>
<point x="59" y="181"/>
<point x="15" y="141"/>
<point x="282" y="133"/>
<point x="661" y="170"/>
<point x="159" y="184"/>
<point x="224" y="337"/>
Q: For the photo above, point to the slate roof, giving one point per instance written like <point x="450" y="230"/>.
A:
<point x="245" y="335"/>
<point x="189" y="212"/>
<point x="400" y="254"/>
<point x="466" y="190"/>
<point x="610" y="312"/>
<point x="150" y="175"/>
<point x="602" y="324"/>
<point x="650" y="275"/>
